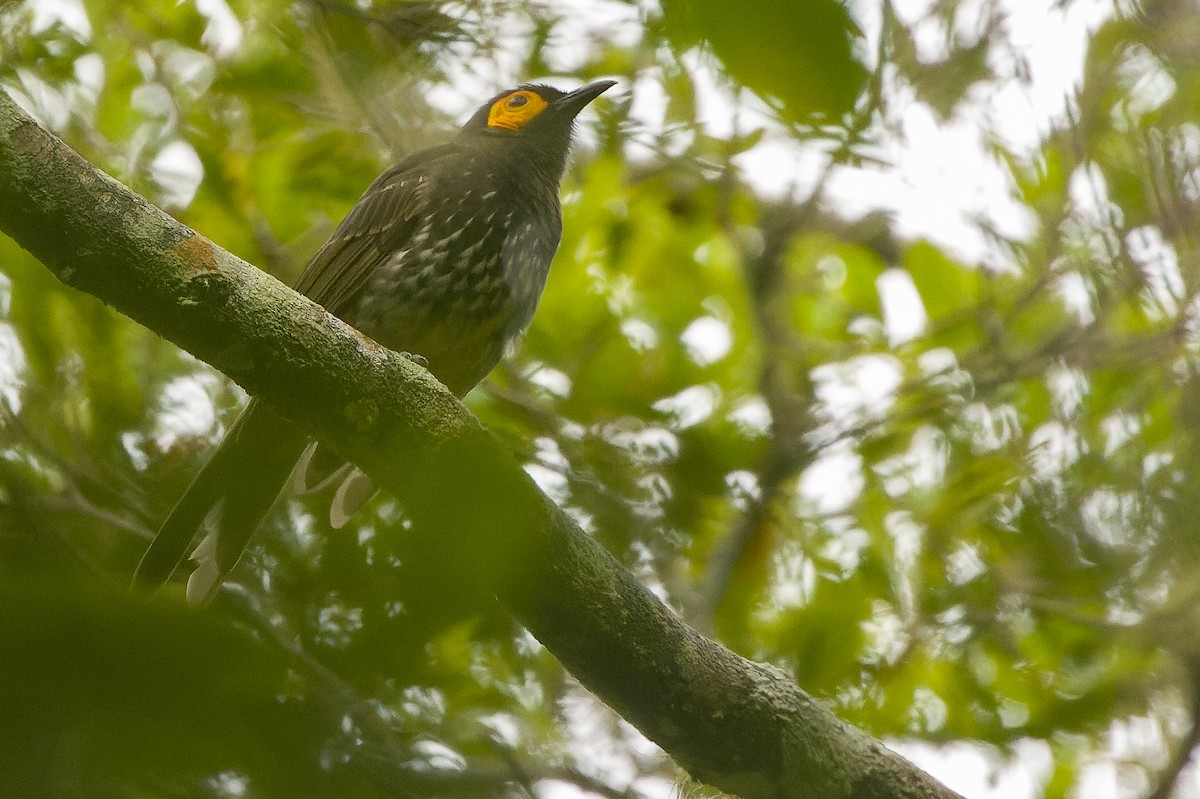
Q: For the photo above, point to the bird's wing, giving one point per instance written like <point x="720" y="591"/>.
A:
<point x="377" y="224"/>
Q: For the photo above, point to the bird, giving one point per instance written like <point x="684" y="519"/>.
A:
<point x="443" y="258"/>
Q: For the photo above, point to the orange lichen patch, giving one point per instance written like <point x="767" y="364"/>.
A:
<point x="197" y="252"/>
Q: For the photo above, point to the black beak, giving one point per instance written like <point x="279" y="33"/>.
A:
<point x="572" y="103"/>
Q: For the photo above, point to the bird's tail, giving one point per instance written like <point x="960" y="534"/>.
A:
<point x="240" y="482"/>
<point x="319" y="468"/>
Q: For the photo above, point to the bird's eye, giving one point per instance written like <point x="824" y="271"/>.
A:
<point x="513" y="110"/>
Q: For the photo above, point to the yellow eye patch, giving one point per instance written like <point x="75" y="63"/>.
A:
<point x="512" y="111"/>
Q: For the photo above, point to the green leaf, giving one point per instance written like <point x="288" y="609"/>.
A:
<point x="797" y="54"/>
<point x="945" y="285"/>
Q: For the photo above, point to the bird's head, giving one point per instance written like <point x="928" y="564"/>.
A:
<point x="536" y="114"/>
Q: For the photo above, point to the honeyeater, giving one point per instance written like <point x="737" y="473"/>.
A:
<point x="443" y="257"/>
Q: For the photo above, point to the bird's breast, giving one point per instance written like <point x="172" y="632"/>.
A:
<point x="464" y="284"/>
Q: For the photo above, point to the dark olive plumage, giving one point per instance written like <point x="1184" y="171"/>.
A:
<point x="444" y="256"/>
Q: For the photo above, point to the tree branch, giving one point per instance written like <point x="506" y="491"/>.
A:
<point x="741" y="726"/>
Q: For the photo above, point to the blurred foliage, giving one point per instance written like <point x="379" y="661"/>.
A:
<point x="980" y="530"/>
<point x="796" y="53"/>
